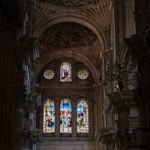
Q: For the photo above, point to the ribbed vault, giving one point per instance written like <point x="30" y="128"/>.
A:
<point x="63" y="28"/>
<point x="71" y="3"/>
<point x="67" y="35"/>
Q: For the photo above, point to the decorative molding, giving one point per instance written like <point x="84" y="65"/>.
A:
<point x="120" y="100"/>
<point x="70" y="3"/>
<point x="67" y="35"/>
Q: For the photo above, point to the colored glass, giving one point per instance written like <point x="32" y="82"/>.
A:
<point x="83" y="74"/>
<point x="49" y="117"/>
<point x="65" y="72"/>
<point x="65" y="116"/>
<point x="82" y="116"/>
<point x="49" y="74"/>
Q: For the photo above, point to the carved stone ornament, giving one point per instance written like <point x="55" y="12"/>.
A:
<point x="107" y="135"/>
<point x="71" y="3"/>
<point x="64" y="35"/>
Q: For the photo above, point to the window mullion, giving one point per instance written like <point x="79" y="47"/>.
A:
<point x="74" y="118"/>
<point x="57" y="118"/>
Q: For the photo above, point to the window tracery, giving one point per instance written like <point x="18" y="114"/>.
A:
<point x="49" y="74"/>
<point x="65" y="117"/>
<point x="83" y="74"/>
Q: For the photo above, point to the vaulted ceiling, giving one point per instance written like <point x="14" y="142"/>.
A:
<point x="95" y="13"/>
<point x="73" y="26"/>
<point x="71" y="3"/>
<point x="67" y="35"/>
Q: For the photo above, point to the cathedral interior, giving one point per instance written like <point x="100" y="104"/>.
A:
<point x="75" y="74"/>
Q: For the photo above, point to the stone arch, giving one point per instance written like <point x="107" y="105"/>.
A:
<point x="72" y="18"/>
<point x="46" y="58"/>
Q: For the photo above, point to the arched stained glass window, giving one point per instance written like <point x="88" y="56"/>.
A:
<point x="82" y="116"/>
<point x="49" y="116"/>
<point x="65" y="116"/>
<point x="65" y="72"/>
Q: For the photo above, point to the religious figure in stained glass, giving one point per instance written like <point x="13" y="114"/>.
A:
<point x="65" y="116"/>
<point x="65" y="72"/>
<point x="49" y="117"/>
<point x="82" y="116"/>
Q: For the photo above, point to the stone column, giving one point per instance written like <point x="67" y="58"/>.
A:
<point x="99" y="106"/>
<point x="8" y="115"/>
<point x="99" y="96"/>
<point x="74" y="118"/>
<point x="57" y="118"/>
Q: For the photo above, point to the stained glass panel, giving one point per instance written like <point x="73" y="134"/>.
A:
<point x="65" y="116"/>
<point x="65" y="72"/>
<point x="49" y="117"/>
<point x="49" y="74"/>
<point x="82" y="116"/>
<point x="83" y="74"/>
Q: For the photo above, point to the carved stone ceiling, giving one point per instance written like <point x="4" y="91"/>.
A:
<point x="71" y="3"/>
<point x="98" y="15"/>
<point x="67" y="35"/>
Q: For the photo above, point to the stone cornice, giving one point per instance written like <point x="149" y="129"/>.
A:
<point x="106" y="135"/>
<point x="121" y="100"/>
<point x="65" y="87"/>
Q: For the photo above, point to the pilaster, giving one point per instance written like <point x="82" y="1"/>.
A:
<point x="57" y="118"/>
<point x="74" y="118"/>
<point x="91" y="119"/>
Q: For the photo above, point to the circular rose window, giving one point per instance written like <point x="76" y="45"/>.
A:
<point x="83" y="74"/>
<point x="49" y="74"/>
